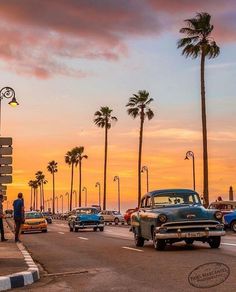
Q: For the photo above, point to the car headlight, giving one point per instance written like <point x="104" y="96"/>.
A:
<point x="162" y="218"/>
<point x="218" y="215"/>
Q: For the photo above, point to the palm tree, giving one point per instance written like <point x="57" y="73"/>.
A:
<point x="35" y="188"/>
<point x="40" y="177"/>
<point x="30" y="184"/>
<point x="103" y="119"/>
<point x="52" y="168"/>
<point x="71" y="159"/>
<point x="79" y="153"/>
<point x="199" y="43"/>
<point x="138" y="106"/>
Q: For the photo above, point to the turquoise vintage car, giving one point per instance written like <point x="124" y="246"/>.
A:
<point x="173" y="215"/>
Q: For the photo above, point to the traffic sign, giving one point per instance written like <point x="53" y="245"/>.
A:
<point x="3" y="188"/>
<point x="6" y="179"/>
<point x="5" y="160"/>
<point x="6" y="150"/>
<point x="5" y="169"/>
<point x="5" y="141"/>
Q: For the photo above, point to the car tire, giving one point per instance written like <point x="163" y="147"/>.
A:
<point x="139" y="240"/>
<point x="189" y="241"/>
<point x="101" y="229"/>
<point x="159" y="244"/>
<point x="76" y="229"/>
<point x="71" y="229"/>
<point x="45" y="230"/>
<point x="116" y="220"/>
<point x="22" y="232"/>
<point x="233" y="226"/>
<point x="214" y="241"/>
<point x="94" y="229"/>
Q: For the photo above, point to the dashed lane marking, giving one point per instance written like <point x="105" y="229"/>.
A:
<point x="130" y="248"/>
<point x="84" y="238"/>
<point x="230" y="244"/>
<point x="61" y="232"/>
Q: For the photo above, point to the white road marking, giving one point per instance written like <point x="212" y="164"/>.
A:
<point x="130" y="248"/>
<point x="84" y="238"/>
<point x="226" y="243"/>
<point x="61" y="232"/>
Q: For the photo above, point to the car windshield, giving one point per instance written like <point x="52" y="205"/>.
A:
<point x="33" y="215"/>
<point x="176" y="199"/>
<point x="116" y="213"/>
<point x="86" y="211"/>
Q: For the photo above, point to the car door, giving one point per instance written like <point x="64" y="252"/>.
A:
<point x="143" y="215"/>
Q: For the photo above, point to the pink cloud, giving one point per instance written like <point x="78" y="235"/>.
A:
<point x="39" y="37"/>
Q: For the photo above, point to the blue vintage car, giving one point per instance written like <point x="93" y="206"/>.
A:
<point x="230" y="220"/>
<point x="87" y="217"/>
<point x="173" y="215"/>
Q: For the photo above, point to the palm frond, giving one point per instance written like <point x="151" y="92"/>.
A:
<point x="149" y="114"/>
<point x="133" y="112"/>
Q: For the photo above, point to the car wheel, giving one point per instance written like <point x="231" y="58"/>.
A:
<point x="76" y="229"/>
<point x="129" y="222"/>
<point x="233" y="226"/>
<point x="159" y="244"/>
<point x="116" y="221"/>
<point x="94" y="229"/>
<point x="101" y="228"/>
<point x="189" y="241"/>
<point x="45" y="230"/>
<point x="22" y="232"/>
<point x="214" y="241"/>
<point x="139" y="240"/>
<point x="71" y="228"/>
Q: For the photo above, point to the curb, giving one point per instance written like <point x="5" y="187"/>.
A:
<point x="24" y="278"/>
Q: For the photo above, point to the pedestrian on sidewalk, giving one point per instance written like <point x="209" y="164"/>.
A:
<point x="1" y="218"/>
<point x="19" y="215"/>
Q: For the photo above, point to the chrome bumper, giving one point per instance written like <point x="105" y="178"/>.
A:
<point x="89" y="226"/>
<point x="196" y="234"/>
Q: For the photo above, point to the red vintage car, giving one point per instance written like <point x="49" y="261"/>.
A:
<point x="128" y="213"/>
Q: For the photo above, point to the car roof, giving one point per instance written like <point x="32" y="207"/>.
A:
<point x="167" y="191"/>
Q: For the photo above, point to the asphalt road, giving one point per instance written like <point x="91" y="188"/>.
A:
<point x="109" y="261"/>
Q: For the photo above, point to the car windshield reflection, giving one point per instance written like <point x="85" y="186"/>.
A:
<point x="163" y="200"/>
<point x="86" y="211"/>
<point x="33" y="215"/>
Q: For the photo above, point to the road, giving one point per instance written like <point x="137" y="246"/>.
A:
<point x="109" y="261"/>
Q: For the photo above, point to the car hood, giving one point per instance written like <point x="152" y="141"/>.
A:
<point x="190" y="212"/>
<point x="38" y="220"/>
<point x="88" y="217"/>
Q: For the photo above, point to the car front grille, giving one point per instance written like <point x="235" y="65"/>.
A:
<point x="191" y="225"/>
<point x="89" y="222"/>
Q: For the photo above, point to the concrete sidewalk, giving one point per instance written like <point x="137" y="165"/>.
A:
<point x="16" y="265"/>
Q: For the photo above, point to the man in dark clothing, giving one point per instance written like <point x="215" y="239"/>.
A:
<point x="19" y="215"/>
<point x="1" y="218"/>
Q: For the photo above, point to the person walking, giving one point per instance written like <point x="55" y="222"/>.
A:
<point x="1" y="218"/>
<point x="19" y="215"/>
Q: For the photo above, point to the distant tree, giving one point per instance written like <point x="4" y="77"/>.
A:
<point x="35" y="186"/>
<point x="104" y="119"/>
<point x="30" y="184"/>
<point x="40" y="177"/>
<point x="52" y="168"/>
<point x="198" y="42"/>
<point x="71" y="158"/>
<point x="138" y="106"/>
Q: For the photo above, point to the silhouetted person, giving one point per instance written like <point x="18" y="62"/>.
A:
<point x="1" y="219"/>
<point x="19" y="215"/>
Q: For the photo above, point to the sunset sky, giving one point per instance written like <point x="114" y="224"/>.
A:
<point x="66" y="58"/>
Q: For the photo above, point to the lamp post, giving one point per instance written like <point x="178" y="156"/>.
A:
<point x="117" y="178"/>
<point x="99" y="192"/>
<point x="7" y="92"/>
<point x="86" y="192"/>
<point x="67" y="194"/>
<point x="61" y="196"/>
<point x="145" y="168"/>
<point x="74" y="192"/>
<point x="57" y="202"/>
<point x="190" y="154"/>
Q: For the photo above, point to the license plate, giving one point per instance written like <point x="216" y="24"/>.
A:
<point x="195" y="234"/>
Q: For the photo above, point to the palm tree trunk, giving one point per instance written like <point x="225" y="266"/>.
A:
<point x="204" y="133"/>
<point x="34" y="205"/>
<point x="42" y="198"/>
<point x="31" y="198"/>
<point x="53" y="193"/>
<point x="80" y="181"/>
<point x="36" y="195"/>
<point x="140" y="155"/>
<point x="71" y="186"/>
<point x="105" y="168"/>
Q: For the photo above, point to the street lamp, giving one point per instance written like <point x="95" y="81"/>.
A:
<point x="189" y="155"/>
<point x="67" y="194"/>
<point x="74" y="192"/>
<point x="117" y="178"/>
<point x="57" y="202"/>
<point x="145" y="168"/>
<point x="7" y="92"/>
<point x="61" y="196"/>
<point x="99" y="192"/>
<point x="86" y="192"/>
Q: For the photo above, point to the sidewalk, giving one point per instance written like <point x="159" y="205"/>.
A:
<point x="16" y="265"/>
